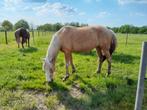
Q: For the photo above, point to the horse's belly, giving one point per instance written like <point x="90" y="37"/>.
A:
<point x="83" y="47"/>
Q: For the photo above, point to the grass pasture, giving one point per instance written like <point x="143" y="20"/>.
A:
<point x="22" y="81"/>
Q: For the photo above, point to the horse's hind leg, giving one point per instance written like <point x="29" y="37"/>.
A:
<point x="67" y="61"/>
<point x="22" y="45"/>
<point x="18" y="45"/>
<point x="26" y="42"/>
<point x="108" y="56"/>
<point x="101" y="59"/>
<point x="72" y="65"/>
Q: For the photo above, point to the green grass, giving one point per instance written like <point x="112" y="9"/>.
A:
<point x="22" y="81"/>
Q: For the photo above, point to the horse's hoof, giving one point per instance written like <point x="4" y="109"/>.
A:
<point x="48" y="82"/>
<point x="66" y="77"/>
<point x="108" y="74"/>
<point x="98" y="72"/>
<point x="73" y="71"/>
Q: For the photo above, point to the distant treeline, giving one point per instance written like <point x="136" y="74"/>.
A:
<point x="8" y="26"/>
<point x="57" y="26"/>
<point x="130" y="29"/>
<point x="122" y="29"/>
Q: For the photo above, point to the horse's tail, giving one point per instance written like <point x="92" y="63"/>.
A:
<point x="113" y="43"/>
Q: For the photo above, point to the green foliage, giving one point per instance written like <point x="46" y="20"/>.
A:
<point x="21" y="23"/>
<point x="130" y="29"/>
<point x="57" y="26"/>
<point x="7" y="25"/>
<point x="143" y="29"/>
<point x="124" y="28"/>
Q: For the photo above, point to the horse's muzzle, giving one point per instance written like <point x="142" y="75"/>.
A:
<point x="50" y="81"/>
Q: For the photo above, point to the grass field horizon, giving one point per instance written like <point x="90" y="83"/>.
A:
<point x="22" y="81"/>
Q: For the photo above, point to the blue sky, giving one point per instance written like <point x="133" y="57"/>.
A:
<point x="104" y="12"/>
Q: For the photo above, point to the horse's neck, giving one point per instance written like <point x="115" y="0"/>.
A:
<point x="53" y="49"/>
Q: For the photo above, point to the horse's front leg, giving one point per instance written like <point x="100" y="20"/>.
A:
<point x="67" y="61"/>
<point x="28" y="42"/>
<point x="22" y="42"/>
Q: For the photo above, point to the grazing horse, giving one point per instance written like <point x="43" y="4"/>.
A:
<point x="21" y="32"/>
<point x="82" y="39"/>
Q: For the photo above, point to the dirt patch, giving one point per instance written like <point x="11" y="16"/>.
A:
<point x="76" y="91"/>
<point x="42" y="98"/>
<point x="40" y="102"/>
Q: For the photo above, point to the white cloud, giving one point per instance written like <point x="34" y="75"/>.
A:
<point x="103" y="14"/>
<point x="90" y="1"/>
<point x="20" y="4"/>
<point x="11" y="4"/>
<point x="140" y="14"/>
<point x="122" y="2"/>
<point x="82" y="13"/>
<point x="57" y="8"/>
<point x="27" y="8"/>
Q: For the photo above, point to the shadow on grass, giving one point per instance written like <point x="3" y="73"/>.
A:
<point x="124" y="58"/>
<point x="118" y="57"/>
<point x="95" y="98"/>
<point x="28" y="50"/>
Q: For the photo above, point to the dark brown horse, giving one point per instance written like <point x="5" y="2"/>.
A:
<point x="24" y="34"/>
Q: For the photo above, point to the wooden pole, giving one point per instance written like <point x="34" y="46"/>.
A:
<point x="6" y="39"/>
<point x="127" y="39"/>
<point x="38" y="33"/>
<point x="141" y="77"/>
<point x="33" y="35"/>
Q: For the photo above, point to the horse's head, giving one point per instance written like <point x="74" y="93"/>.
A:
<point x="48" y="68"/>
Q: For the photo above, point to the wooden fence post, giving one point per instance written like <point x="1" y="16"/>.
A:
<point x="33" y="35"/>
<point x="6" y="39"/>
<point x="127" y="39"/>
<point x="38" y="33"/>
<point x="141" y="77"/>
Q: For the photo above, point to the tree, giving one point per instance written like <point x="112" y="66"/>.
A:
<point x="21" y="23"/>
<point x="124" y="28"/>
<point x="57" y="26"/>
<point x="143" y="30"/>
<point x="7" y="25"/>
<point x="115" y="29"/>
<point x="134" y="29"/>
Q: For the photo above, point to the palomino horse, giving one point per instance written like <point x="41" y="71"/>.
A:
<point x="21" y="32"/>
<point x="71" y="39"/>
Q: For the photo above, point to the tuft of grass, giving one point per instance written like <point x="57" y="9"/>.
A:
<point x="52" y="102"/>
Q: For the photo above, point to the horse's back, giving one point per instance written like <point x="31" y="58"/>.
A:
<point x="84" y="38"/>
<point x="21" y="32"/>
<point x="77" y="39"/>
